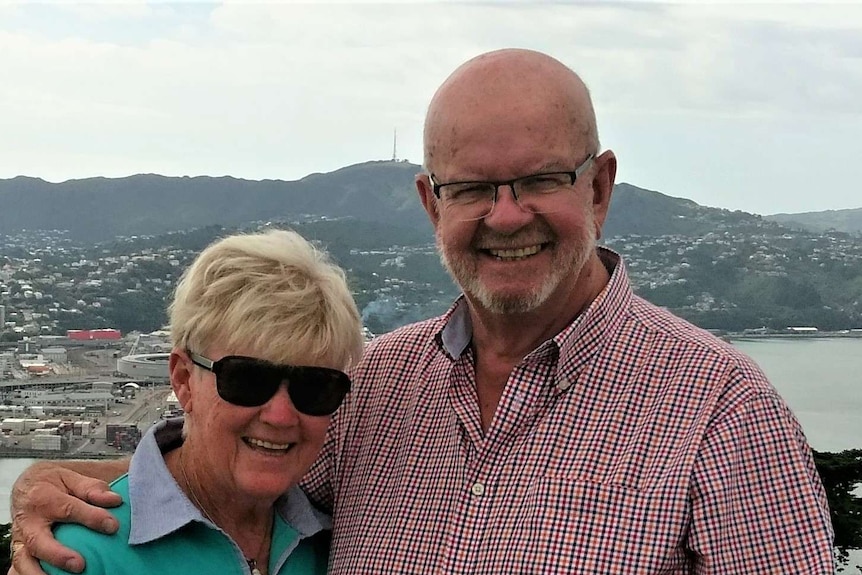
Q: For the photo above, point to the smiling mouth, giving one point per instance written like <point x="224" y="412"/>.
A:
<point x="515" y="254"/>
<point x="267" y="446"/>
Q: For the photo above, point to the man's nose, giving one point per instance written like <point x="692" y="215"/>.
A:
<point x="507" y="212"/>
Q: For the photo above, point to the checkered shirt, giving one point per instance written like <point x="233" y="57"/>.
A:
<point x="632" y="442"/>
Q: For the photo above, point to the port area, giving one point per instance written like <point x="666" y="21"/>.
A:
<point x="83" y="408"/>
<point x="115" y="433"/>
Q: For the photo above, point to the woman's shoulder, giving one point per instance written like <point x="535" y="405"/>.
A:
<point x="99" y="550"/>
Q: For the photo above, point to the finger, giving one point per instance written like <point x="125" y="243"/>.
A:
<point x="103" y="498"/>
<point x="33" y="541"/>
<point x="36" y="523"/>
<point x="93" y="491"/>
<point x="25" y="564"/>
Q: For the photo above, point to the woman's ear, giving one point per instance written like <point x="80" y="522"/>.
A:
<point x="180" y="367"/>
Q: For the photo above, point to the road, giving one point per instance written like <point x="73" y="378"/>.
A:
<point x="144" y="410"/>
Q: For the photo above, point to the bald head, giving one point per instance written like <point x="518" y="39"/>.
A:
<point x="508" y="86"/>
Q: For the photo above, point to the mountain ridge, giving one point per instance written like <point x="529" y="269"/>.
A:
<point x="101" y="208"/>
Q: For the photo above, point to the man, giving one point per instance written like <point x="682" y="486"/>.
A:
<point x="551" y="421"/>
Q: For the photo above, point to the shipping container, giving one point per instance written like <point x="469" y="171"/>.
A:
<point x="30" y="424"/>
<point x="14" y="425"/>
<point x="47" y="442"/>
<point x="114" y="429"/>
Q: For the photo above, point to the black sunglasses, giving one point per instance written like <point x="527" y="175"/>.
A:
<point x="251" y="382"/>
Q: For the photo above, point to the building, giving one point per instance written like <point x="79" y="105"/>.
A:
<point x="94" y="334"/>
<point x="33" y="364"/>
<point x="2" y="318"/>
<point x="6" y="360"/>
<point x="55" y="354"/>
<point x="92" y="400"/>
<point x="172" y="404"/>
<point x="102" y="386"/>
<point x="145" y="367"/>
<point x="802" y="329"/>
<point x="28" y="346"/>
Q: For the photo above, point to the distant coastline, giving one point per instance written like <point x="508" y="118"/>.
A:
<point x="9" y="453"/>
<point x="736" y="336"/>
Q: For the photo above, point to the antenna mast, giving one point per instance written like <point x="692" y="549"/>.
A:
<point x="394" y="144"/>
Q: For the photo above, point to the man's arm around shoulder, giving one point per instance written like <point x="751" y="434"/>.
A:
<point x="60" y="491"/>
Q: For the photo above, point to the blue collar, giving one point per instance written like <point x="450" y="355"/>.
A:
<point x="153" y="491"/>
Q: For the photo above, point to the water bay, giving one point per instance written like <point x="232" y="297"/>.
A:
<point x="821" y="380"/>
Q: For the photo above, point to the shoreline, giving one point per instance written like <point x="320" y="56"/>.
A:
<point x="42" y="454"/>
<point x="784" y="335"/>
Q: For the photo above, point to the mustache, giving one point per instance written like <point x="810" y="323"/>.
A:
<point x="523" y="237"/>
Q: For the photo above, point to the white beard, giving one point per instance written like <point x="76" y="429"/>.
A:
<point x="567" y="263"/>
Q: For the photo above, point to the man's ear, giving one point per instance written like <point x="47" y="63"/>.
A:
<point x="603" y="188"/>
<point x="426" y="195"/>
<point x="180" y="368"/>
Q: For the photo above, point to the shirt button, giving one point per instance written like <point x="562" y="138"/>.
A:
<point x="478" y="489"/>
<point x="563" y="384"/>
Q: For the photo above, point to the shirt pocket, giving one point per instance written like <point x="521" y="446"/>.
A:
<point x="578" y="526"/>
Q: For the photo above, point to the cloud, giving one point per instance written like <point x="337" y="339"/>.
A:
<point x="279" y="90"/>
<point x="105" y="10"/>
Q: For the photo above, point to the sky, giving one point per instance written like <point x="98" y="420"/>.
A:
<point x="744" y="106"/>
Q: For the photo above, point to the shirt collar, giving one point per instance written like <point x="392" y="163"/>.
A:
<point x="153" y="491"/>
<point x="599" y="322"/>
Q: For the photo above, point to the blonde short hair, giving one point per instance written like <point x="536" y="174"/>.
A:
<point x="273" y="294"/>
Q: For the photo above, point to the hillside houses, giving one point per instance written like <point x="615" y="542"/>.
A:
<point x="50" y="284"/>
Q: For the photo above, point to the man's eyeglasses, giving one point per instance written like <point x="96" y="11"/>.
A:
<point x="251" y="382"/>
<point x="535" y="193"/>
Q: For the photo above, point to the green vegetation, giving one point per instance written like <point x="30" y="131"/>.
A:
<point x="5" y="556"/>
<point x="841" y="474"/>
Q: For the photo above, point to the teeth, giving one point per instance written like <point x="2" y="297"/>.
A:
<point x="268" y="445"/>
<point x="517" y="253"/>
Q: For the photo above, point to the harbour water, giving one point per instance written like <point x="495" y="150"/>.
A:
<point x="820" y="378"/>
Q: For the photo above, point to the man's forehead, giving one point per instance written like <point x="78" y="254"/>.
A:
<point x="485" y="162"/>
<point x="474" y="142"/>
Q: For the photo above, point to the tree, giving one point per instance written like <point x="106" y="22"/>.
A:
<point x="841" y="474"/>
<point x="5" y="554"/>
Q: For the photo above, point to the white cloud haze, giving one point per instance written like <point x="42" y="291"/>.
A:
<point x="743" y="106"/>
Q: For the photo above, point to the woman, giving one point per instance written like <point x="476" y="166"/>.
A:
<point x="262" y="326"/>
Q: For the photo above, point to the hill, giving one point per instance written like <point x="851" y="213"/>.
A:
<point x="99" y="209"/>
<point x="848" y="221"/>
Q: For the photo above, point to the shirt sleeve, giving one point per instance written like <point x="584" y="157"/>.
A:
<point x="757" y="502"/>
